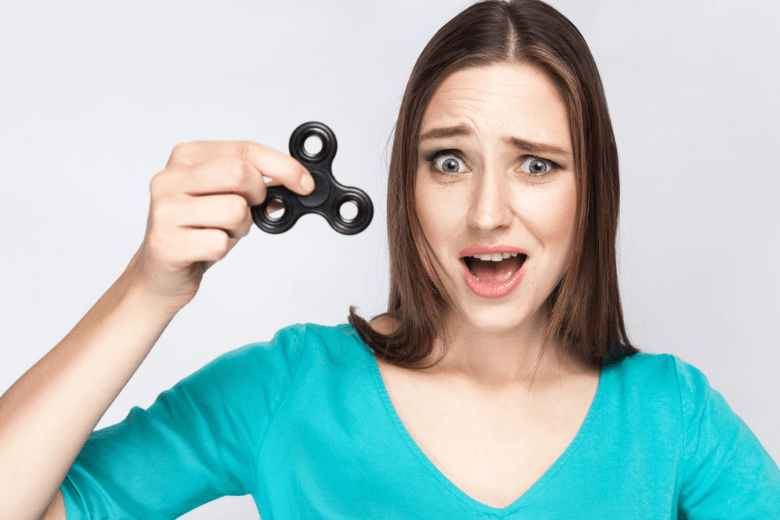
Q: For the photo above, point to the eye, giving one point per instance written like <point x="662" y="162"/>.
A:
<point x="449" y="163"/>
<point x="536" y="166"/>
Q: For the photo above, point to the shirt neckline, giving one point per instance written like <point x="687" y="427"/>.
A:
<point x="571" y="449"/>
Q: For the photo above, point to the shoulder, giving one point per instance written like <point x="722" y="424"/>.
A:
<point x="659" y="370"/>
<point x="264" y="371"/>
<point x="292" y="343"/>
<point x="659" y="384"/>
<point x="667" y="389"/>
<point x="275" y="362"/>
<point x="307" y="345"/>
<point x="644" y="370"/>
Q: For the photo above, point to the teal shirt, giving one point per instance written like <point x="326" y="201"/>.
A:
<point x="304" y="424"/>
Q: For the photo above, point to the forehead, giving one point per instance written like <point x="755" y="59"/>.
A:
<point x="501" y="100"/>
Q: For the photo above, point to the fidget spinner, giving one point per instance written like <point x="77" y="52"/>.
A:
<point x="328" y="196"/>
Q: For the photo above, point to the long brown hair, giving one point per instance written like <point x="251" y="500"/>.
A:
<point x="584" y="313"/>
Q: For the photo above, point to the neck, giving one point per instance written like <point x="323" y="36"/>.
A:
<point x="503" y="358"/>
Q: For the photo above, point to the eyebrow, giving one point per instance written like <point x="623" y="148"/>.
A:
<point x="523" y="144"/>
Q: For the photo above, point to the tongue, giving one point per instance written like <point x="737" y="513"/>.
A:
<point x="492" y="273"/>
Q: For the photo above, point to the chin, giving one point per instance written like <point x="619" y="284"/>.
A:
<point x="495" y="321"/>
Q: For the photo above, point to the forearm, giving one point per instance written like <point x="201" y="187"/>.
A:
<point x="48" y="414"/>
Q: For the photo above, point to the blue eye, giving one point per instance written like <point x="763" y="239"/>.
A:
<point x="449" y="163"/>
<point x="536" y="166"/>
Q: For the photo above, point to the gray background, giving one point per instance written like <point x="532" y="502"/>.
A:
<point x="94" y="96"/>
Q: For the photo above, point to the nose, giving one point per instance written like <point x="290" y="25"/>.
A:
<point x="490" y="209"/>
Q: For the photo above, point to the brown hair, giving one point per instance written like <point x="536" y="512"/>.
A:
<point x="583" y="312"/>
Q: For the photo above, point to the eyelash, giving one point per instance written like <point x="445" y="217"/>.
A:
<point x="435" y="155"/>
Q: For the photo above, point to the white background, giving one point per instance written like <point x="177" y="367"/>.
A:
<point x="94" y="96"/>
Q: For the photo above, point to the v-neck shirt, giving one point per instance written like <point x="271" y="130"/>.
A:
<point x="305" y="425"/>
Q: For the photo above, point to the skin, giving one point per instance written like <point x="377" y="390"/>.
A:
<point x="200" y="209"/>
<point x="483" y="417"/>
<point x="489" y="196"/>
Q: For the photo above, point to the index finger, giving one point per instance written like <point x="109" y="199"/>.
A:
<point x="271" y="163"/>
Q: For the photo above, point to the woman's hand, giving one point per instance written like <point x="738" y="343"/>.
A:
<point x="200" y="208"/>
<point x="199" y="211"/>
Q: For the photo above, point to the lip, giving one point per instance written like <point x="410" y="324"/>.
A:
<point x="484" y="290"/>
<point x="481" y="250"/>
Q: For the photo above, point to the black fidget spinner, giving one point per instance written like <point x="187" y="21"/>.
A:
<point x="328" y="195"/>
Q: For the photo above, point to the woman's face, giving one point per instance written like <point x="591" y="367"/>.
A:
<point x="495" y="176"/>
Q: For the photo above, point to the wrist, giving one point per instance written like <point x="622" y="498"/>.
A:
<point x="133" y="288"/>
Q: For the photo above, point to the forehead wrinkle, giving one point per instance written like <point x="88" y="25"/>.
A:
<point x="508" y="87"/>
<point x="480" y="102"/>
<point x="474" y="107"/>
<point x="481" y="95"/>
<point x="478" y="123"/>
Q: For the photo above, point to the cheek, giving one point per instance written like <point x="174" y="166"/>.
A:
<point x="428" y="207"/>
<point x="441" y="211"/>
<point x="550" y="215"/>
<point x="437" y="209"/>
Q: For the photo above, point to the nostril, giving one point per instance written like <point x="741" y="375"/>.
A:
<point x="490" y="222"/>
<point x="490" y="214"/>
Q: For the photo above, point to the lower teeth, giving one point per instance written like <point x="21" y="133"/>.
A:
<point x="500" y="278"/>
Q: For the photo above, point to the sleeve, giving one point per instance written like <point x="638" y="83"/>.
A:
<point x="726" y="471"/>
<point x="198" y="441"/>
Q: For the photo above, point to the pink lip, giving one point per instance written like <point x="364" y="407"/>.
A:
<point x="491" y="291"/>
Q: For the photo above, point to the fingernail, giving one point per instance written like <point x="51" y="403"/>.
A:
<point x="307" y="183"/>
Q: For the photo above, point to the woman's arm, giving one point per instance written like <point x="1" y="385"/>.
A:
<point x="56" y="510"/>
<point x="48" y="414"/>
<point x="200" y="208"/>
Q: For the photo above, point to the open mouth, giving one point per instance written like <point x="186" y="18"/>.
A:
<point x="494" y="268"/>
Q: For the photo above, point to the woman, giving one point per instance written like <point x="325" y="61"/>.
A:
<point x="500" y="381"/>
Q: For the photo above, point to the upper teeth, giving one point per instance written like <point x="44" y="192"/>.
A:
<point x="496" y="257"/>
